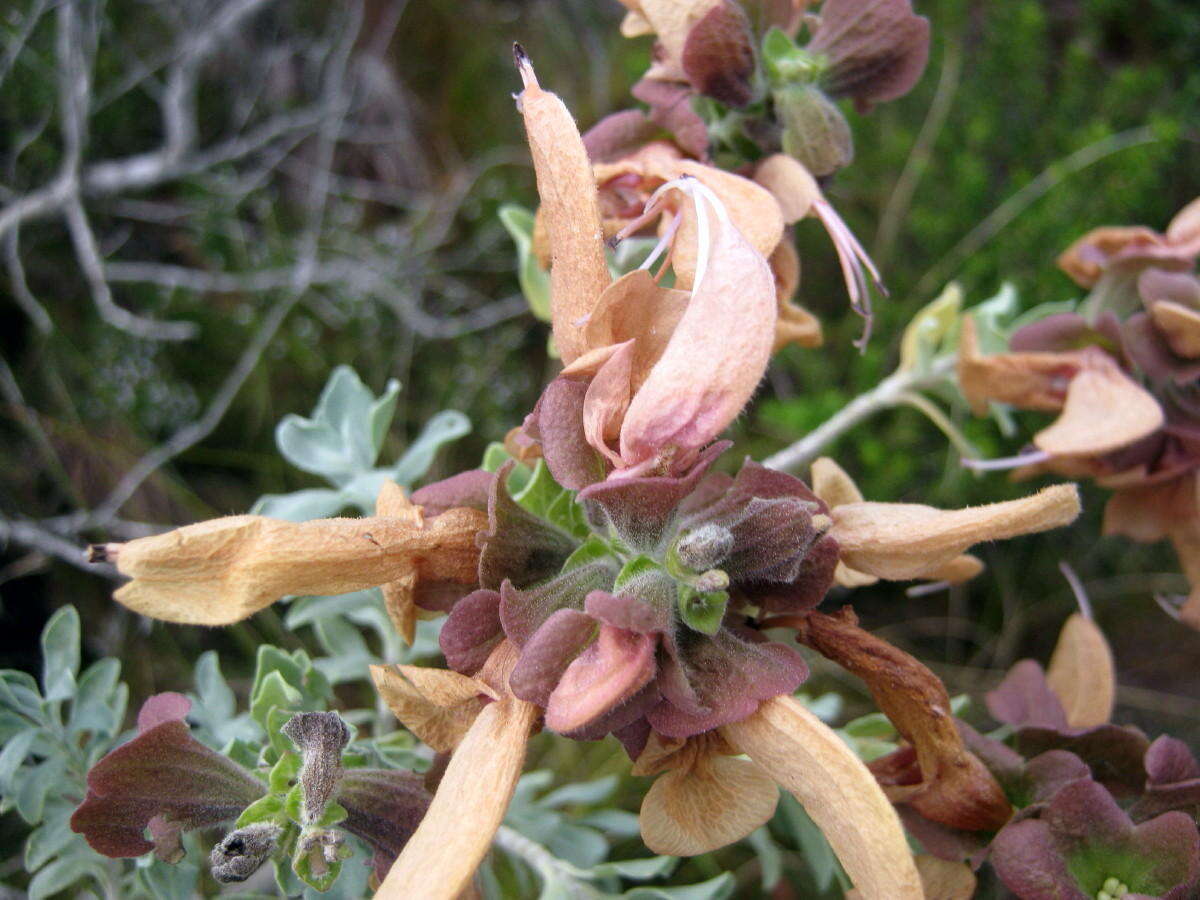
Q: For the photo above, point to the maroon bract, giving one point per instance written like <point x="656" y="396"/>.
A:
<point x="163" y="779"/>
<point x="1084" y="846"/>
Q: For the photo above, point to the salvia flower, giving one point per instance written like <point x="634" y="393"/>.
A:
<point x="1083" y="846"/>
<point x="655" y="615"/>
<point x="166" y="781"/>
<point x="1122" y="375"/>
<point x="1098" y="810"/>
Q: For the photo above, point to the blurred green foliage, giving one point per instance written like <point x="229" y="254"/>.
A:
<point x="1017" y="95"/>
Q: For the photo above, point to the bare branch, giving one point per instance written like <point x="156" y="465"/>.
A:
<point x="88" y="255"/>
<point x="20" y="288"/>
<point x="31" y="534"/>
<point x="334" y="100"/>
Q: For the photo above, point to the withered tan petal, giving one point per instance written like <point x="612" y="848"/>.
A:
<point x="607" y="398"/>
<point x="1082" y="674"/>
<point x="440" y="858"/>
<point x="807" y="758"/>
<point x="1026" y="380"/>
<point x="1152" y="511"/>
<point x="635" y="308"/>
<point x="955" y="789"/>
<point x="944" y="879"/>
<point x="437" y="705"/>
<point x="1086" y="259"/>
<point x="833" y="485"/>
<point x="221" y="571"/>
<point x="635" y="25"/>
<point x="903" y="540"/>
<point x="753" y="210"/>
<point x="393" y="502"/>
<point x="1185" y="227"/>
<point x="1180" y="325"/>
<point x="1104" y="411"/>
<point x="578" y="270"/>
<point x="399" y="594"/>
<point x="711" y="803"/>
<point x="961" y="568"/>
<point x="399" y="600"/>
<point x="793" y="324"/>
<point x="792" y="185"/>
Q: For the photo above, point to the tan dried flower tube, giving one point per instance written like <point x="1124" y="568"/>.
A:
<point x="570" y="209"/>
<point x="440" y="858"/>
<point x="221" y="571"/>
<point x="837" y="790"/>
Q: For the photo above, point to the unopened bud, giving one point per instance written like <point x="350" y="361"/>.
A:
<point x="712" y="580"/>
<point x="814" y="129"/>
<point x="320" y="738"/>
<point x="322" y="847"/>
<point x="241" y="852"/>
<point x="704" y="547"/>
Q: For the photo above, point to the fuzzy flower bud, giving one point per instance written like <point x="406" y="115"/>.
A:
<point x="705" y="546"/>
<point x="320" y="738"/>
<point x="241" y="852"/>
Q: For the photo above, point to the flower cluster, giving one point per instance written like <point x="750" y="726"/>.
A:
<point x="1123" y="372"/>
<point x="1100" y="810"/>
<point x="602" y="574"/>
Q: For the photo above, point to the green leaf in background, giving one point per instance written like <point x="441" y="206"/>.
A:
<point x="447" y="425"/>
<point x="19" y="693"/>
<point x="35" y="784"/>
<point x="993" y="319"/>
<point x="50" y="838"/>
<point x="929" y="332"/>
<point x="770" y="857"/>
<point x="13" y="755"/>
<point x="300" y="506"/>
<point x="791" y="820"/>
<point x="714" y="889"/>
<point x="345" y="432"/>
<point x="535" y="281"/>
<point x="214" y="707"/>
<point x="64" y="872"/>
<point x="100" y="700"/>
<point x="60" y="655"/>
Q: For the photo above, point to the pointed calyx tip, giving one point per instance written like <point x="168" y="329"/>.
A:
<point x="99" y="553"/>
<point x="524" y="65"/>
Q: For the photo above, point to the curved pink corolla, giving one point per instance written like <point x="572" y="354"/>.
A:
<point x="718" y="351"/>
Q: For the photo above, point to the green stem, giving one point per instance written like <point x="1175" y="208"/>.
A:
<point x="888" y="393"/>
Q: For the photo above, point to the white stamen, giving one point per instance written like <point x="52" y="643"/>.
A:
<point x="1081" y="597"/>
<point x="663" y="242"/>
<point x="1008" y="462"/>
<point x="697" y="191"/>
<point x="932" y="587"/>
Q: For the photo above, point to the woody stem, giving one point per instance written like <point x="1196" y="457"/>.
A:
<point x="888" y="393"/>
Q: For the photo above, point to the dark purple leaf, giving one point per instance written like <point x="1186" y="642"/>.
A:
<point x="518" y="546"/>
<point x="163" y="779"/>
<point x="383" y="808"/>
<point x="472" y="631"/>
<point x="718" y="55"/>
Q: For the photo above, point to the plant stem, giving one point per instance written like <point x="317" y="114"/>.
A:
<point x="888" y="393"/>
<point x="548" y="866"/>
